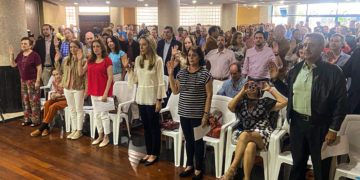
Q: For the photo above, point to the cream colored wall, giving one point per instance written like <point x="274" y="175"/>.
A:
<point x="130" y="16"/>
<point x="117" y="15"/>
<point x="54" y="15"/>
<point x="248" y="15"/>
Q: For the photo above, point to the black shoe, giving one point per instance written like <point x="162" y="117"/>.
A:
<point x="142" y="160"/>
<point x="198" y="177"/>
<point x="147" y="163"/>
<point x="27" y="123"/>
<point x="186" y="173"/>
<point x="34" y="124"/>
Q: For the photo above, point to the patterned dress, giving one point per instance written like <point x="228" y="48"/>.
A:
<point x="256" y="119"/>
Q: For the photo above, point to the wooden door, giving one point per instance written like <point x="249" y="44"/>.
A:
<point x="88" y="22"/>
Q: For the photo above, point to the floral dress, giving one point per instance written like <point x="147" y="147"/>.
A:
<point x="257" y="119"/>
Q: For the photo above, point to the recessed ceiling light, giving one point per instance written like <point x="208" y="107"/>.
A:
<point x="146" y="5"/>
<point x="75" y="3"/>
<point x="107" y="2"/>
<point x="194" y="2"/>
<point x="140" y="0"/>
<point x="211" y="3"/>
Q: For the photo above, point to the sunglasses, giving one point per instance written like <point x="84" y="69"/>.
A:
<point x="254" y="85"/>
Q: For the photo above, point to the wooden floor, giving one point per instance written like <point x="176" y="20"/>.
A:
<point x="55" y="157"/>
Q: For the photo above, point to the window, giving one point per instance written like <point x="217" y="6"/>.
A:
<point x="205" y="15"/>
<point x="94" y="9"/>
<point x="70" y="16"/>
<point x="147" y="15"/>
<point x="322" y="9"/>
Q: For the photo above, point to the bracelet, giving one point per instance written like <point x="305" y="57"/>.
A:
<point x="207" y="113"/>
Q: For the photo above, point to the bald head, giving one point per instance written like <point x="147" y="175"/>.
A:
<point x="89" y="38"/>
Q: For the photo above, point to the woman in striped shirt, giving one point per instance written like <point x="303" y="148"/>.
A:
<point x="194" y="83"/>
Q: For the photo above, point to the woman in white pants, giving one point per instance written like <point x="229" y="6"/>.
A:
<point x="74" y="86"/>
<point x="100" y="86"/>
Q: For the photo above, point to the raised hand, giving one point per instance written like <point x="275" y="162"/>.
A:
<point x="170" y="67"/>
<point x="174" y="50"/>
<point x="57" y="57"/>
<point x="56" y="41"/>
<point x="293" y="43"/>
<point x="266" y="86"/>
<point x="331" y="57"/>
<point x="275" y="46"/>
<point x="273" y="70"/>
<point x="11" y="49"/>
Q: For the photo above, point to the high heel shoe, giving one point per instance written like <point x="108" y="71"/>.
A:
<point x="147" y="163"/>
<point x="230" y="174"/>
<point x="186" y="173"/>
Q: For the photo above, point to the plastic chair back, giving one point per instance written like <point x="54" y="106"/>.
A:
<point x="124" y="93"/>
<point x="217" y="85"/>
<point x="173" y="105"/>
<point x="221" y="103"/>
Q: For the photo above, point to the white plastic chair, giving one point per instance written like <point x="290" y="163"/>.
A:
<point x="48" y="88"/>
<point x="217" y="85"/>
<point x="230" y="148"/>
<point x="219" y="103"/>
<point x="172" y="106"/>
<point x="125" y="96"/>
<point x="350" y="128"/>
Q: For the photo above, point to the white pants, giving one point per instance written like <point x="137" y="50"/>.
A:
<point x="75" y="101"/>
<point x="102" y="119"/>
<point x="116" y="77"/>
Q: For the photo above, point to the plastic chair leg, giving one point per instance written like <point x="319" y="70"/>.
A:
<point x="217" y="161"/>
<point x="127" y="125"/>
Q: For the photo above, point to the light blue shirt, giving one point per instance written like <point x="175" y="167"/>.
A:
<point x="228" y="88"/>
<point x="116" y="61"/>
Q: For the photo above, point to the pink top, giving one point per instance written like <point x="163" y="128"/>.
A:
<point x="57" y="87"/>
<point x="249" y="41"/>
<point x="220" y="62"/>
<point x="27" y="65"/>
<point x="256" y="62"/>
<point x="97" y="78"/>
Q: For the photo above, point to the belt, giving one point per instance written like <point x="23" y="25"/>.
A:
<point x="222" y="79"/>
<point x="302" y="116"/>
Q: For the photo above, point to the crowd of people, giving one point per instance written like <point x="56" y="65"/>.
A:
<point x="317" y="72"/>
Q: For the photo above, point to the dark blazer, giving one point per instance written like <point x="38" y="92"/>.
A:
<point x="160" y="50"/>
<point x="210" y="44"/>
<point x="40" y="48"/>
<point x="328" y="94"/>
<point x="135" y="46"/>
<point x="352" y="70"/>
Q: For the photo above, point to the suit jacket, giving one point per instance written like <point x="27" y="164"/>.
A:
<point x="160" y="52"/>
<point x="40" y="48"/>
<point x="210" y="44"/>
<point x="328" y="94"/>
<point x="352" y="70"/>
<point x="135" y="46"/>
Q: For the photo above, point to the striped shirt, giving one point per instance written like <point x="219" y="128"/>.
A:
<point x="192" y="92"/>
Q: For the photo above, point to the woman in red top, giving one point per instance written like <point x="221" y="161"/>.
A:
<point x="100" y="86"/>
<point x="29" y="65"/>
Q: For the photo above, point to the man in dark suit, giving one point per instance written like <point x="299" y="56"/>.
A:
<point x="211" y="42"/>
<point x="164" y="48"/>
<point x="316" y="92"/>
<point x="351" y="70"/>
<point x="46" y="49"/>
<point x="131" y="47"/>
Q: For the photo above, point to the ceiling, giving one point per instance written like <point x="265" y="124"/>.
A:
<point x="141" y="3"/>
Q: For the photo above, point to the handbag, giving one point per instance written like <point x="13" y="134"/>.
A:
<point x="168" y="123"/>
<point x="215" y="126"/>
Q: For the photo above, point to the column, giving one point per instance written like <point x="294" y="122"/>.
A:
<point x="117" y="15"/>
<point x="11" y="11"/>
<point x="168" y="14"/>
<point x="228" y="16"/>
<point x="291" y="11"/>
<point x="265" y="14"/>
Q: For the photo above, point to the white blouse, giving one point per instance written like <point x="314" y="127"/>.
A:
<point x="151" y="85"/>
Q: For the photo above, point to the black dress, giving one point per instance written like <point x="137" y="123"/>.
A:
<point x="256" y="119"/>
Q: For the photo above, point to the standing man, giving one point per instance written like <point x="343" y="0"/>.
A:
<point x="89" y="38"/>
<point x="164" y="47"/>
<point x="211" y="43"/>
<point x="284" y="46"/>
<point x="258" y="57"/>
<point x="46" y="49"/>
<point x="351" y="70"/>
<point x="220" y="60"/>
<point x="202" y="39"/>
<point x="131" y="47"/>
<point x="334" y="53"/>
<point x="316" y="92"/>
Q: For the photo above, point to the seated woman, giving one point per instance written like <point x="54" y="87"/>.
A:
<point x="56" y="102"/>
<point x="253" y="113"/>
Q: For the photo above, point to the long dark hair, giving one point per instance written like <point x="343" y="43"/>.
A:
<point x="78" y="44"/>
<point x="198" y="51"/>
<point x="104" y="53"/>
<point x="116" y="42"/>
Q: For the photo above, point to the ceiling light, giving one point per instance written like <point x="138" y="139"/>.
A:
<point x="194" y="2"/>
<point x="146" y="5"/>
<point x="254" y="6"/>
<point x="211" y="3"/>
<point x="107" y="2"/>
<point x="75" y="3"/>
<point x="140" y="0"/>
<point x="281" y="2"/>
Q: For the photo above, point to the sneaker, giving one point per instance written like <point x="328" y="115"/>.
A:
<point x="77" y="135"/>
<point x="71" y="135"/>
<point x="45" y="132"/>
<point x="35" y="133"/>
